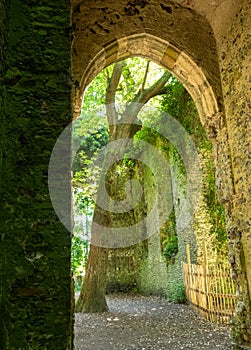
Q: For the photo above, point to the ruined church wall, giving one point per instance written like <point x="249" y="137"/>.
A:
<point x="235" y="63"/>
<point x="35" y="107"/>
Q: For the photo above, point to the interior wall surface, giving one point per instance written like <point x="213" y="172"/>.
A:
<point x="235" y="65"/>
<point x="35" y="297"/>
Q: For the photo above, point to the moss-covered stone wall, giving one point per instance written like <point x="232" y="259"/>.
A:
<point x="235" y="64"/>
<point x="123" y="266"/>
<point x="151" y="278"/>
<point x="152" y="275"/>
<point x="183" y="227"/>
<point x="35" y="107"/>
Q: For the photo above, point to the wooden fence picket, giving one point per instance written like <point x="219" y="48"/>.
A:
<point x="210" y="289"/>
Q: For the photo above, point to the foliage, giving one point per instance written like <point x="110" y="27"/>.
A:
<point x="170" y="246"/>
<point x="216" y="210"/>
<point x="169" y="239"/>
<point x="179" y="293"/>
<point x="80" y="248"/>
<point x="84" y="190"/>
<point x="90" y="143"/>
<point x="83" y="202"/>
<point x="178" y="103"/>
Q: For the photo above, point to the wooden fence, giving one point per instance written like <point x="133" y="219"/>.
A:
<point x="210" y="290"/>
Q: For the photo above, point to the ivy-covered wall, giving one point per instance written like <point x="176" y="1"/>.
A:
<point x="35" y="107"/>
<point x="192" y="222"/>
<point x="183" y="229"/>
<point x="152" y="278"/>
<point x="123" y="266"/>
<point x="234" y="180"/>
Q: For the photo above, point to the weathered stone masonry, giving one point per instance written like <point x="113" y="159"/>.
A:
<point x="235" y="61"/>
<point x="35" y="107"/>
<point x="206" y="44"/>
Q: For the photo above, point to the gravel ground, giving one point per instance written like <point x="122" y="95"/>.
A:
<point x="148" y="323"/>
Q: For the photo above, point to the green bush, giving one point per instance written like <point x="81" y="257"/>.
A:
<point x="79" y="255"/>
<point x="170" y="246"/>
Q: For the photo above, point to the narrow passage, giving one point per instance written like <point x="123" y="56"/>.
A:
<point x="148" y="323"/>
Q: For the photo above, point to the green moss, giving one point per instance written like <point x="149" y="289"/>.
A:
<point x="216" y="210"/>
<point x="35" y="108"/>
<point x="170" y="246"/>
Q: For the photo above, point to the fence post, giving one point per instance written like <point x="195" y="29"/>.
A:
<point x="188" y="255"/>
<point x="206" y="289"/>
<point x="189" y="273"/>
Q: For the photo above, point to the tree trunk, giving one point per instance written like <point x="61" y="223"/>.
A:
<point x="92" y="296"/>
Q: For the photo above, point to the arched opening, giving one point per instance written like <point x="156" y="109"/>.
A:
<point x="163" y="53"/>
<point x="180" y="214"/>
<point x="176" y="62"/>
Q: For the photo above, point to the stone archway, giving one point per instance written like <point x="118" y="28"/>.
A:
<point x="163" y="53"/>
<point x="179" y="64"/>
<point x="187" y="47"/>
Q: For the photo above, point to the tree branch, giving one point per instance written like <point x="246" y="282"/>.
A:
<point x="145" y="76"/>
<point x="142" y="97"/>
<point x="111" y="92"/>
<point x="153" y="90"/>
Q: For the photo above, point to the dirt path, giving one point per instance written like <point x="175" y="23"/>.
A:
<point x="143" y="323"/>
